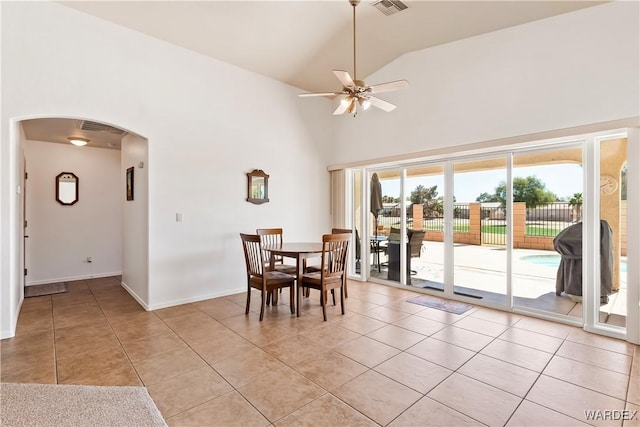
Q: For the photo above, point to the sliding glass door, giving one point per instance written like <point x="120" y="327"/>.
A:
<point x="547" y="231"/>
<point x="613" y="290"/>
<point x="515" y="229"/>
<point x="385" y="217"/>
<point x="480" y="222"/>
<point x="425" y="193"/>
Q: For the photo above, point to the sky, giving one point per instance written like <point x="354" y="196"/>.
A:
<point x="564" y="180"/>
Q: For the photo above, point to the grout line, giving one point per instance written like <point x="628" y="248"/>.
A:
<point x="536" y="381"/>
<point x="55" y="346"/>
<point x="401" y="351"/>
<point x="117" y="337"/>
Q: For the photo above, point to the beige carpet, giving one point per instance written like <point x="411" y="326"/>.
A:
<point x="75" y="405"/>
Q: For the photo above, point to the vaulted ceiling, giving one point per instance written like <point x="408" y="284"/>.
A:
<point x="300" y="42"/>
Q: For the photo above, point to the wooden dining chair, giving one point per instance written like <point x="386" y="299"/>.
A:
<point x="259" y="277"/>
<point x="341" y="231"/>
<point x="332" y="276"/>
<point x="273" y="236"/>
<point x="313" y="268"/>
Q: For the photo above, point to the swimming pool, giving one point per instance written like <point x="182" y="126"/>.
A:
<point x="553" y="260"/>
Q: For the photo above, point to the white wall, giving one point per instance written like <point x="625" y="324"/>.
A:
<point x="208" y="124"/>
<point x="62" y="237"/>
<point x="578" y="70"/>
<point x="135" y="237"/>
<point x="571" y="70"/>
<point x="11" y="261"/>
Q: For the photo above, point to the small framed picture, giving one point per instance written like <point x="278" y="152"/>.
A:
<point x="130" y="183"/>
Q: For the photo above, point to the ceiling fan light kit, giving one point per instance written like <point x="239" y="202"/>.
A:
<point x="356" y="91"/>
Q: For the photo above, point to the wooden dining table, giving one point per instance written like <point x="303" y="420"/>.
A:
<point x="299" y="251"/>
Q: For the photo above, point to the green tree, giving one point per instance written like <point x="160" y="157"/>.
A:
<point x="486" y="197"/>
<point x="390" y="199"/>
<point x="576" y="199"/>
<point x="530" y="190"/>
<point x="576" y="206"/>
<point x="423" y="194"/>
<point x="432" y="205"/>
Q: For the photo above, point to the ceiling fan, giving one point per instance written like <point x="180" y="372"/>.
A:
<point x="357" y="91"/>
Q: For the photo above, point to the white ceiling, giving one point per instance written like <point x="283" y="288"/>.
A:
<point x="299" y="42"/>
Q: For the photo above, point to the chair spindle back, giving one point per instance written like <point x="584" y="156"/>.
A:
<point x="334" y="254"/>
<point x="270" y="236"/>
<point x="253" y="254"/>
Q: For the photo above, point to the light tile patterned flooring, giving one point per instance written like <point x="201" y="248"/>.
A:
<point x="386" y="362"/>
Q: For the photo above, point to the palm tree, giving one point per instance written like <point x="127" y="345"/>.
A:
<point x="576" y="206"/>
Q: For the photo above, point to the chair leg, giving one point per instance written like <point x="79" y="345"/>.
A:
<point x="333" y="295"/>
<point x="246" y="311"/>
<point x="342" y="296"/>
<point x="292" y="291"/>
<point x="344" y="283"/>
<point x="323" y="297"/>
<point x="298" y="290"/>
<point x="262" y="297"/>
<point x="268" y="297"/>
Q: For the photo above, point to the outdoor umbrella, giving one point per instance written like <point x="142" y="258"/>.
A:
<point x="376" y="198"/>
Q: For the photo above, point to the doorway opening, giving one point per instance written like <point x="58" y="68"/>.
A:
<point x="100" y="232"/>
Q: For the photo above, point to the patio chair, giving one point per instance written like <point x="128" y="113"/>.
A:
<point x="331" y="277"/>
<point x="414" y="250"/>
<point x="414" y="246"/>
<point x="259" y="278"/>
<point x="415" y="238"/>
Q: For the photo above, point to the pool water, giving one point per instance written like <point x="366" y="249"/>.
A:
<point x="554" y="261"/>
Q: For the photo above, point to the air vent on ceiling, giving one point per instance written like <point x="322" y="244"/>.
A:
<point x="389" y="7"/>
<point x="100" y="127"/>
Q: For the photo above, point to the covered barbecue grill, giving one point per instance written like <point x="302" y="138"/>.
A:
<point x="568" y="243"/>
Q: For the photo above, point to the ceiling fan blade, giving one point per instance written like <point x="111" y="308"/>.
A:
<point x="383" y="105"/>
<point x="344" y="78"/>
<point x="342" y="107"/>
<point x="388" y="87"/>
<point x="304" y="95"/>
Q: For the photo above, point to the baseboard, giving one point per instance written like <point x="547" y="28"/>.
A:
<point x="14" y="323"/>
<point x="72" y="278"/>
<point x="197" y="299"/>
<point x="135" y="296"/>
<point x="4" y="334"/>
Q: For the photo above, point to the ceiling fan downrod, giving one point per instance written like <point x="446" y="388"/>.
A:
<point x="356" y="91"/>
<point x="354" y="3"/>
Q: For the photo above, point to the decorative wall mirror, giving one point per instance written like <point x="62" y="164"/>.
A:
<point x="257" y="187"/>
<point x="67" y="188"/>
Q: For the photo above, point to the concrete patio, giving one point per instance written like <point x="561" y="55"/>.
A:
<point x="480" y="272"/>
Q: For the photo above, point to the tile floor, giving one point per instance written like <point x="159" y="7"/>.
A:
<point x="386" y="362"/>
